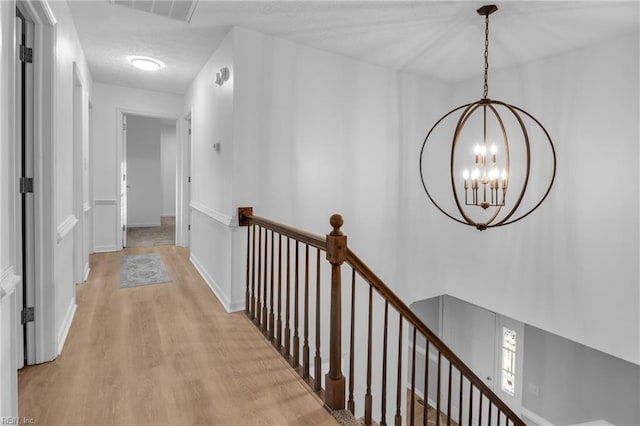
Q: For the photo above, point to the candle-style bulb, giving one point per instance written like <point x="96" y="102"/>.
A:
<point x="483" y="150"/>
<point x="503" y="175"/>
<point x="465" y="174"/>
<point x="493" y="173"/>
<point x="494" y="149"/>
<point x="475" y="174"/>
<point x="476" y="150"/>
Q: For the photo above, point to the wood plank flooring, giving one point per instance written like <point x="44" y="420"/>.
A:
<point x="165" y="354"/>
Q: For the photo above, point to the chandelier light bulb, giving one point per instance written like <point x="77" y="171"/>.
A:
<point x="475" y="174"/>
<point x="476" y="150"/>
<point x="494" y="149"/>
<point x="503" y="175"/>
<point x="465" y="174"/>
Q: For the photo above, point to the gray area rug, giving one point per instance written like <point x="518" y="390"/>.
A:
<point x="142" y="269"/>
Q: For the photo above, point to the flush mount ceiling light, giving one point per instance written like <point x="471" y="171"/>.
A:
<point x="146" y="64"/>
<point x="490" y="159"/>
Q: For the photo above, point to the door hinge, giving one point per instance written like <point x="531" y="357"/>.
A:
<point x="189" y="179"/>
<point x="26" y="185"/>
<point x="27" y="315"/>
<point x="124" y="228"/>
<point x="189" y="227"/>
<point x="189" y="132"/>
<point x="124" y="126"/>
<point x="26" y="54"/>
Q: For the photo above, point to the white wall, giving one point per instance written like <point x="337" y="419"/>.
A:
<point x="212" y="116"/>
<point x="144" y="177"/>
<point x="68" y="52"/>
<point x="168" y="156"/>
<point x="108" y="100"/>
<point x="570" y="268"/>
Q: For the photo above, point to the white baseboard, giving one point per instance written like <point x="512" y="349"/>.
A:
<point x="105" y="249"/>
<point x="66" y="325"/>
<point x="229" y="306"/>
<point x="168" y="215"/>
<point x="143" y="225"/>
<point x="530" y="415"/>
<point x="87" y="269"/>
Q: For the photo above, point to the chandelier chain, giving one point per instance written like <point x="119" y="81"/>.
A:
<point x="486" y="57"/>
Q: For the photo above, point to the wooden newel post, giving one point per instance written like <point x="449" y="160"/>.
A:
<point x="336" y="255"/>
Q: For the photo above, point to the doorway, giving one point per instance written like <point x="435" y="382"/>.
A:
<point x="149" y="181"/>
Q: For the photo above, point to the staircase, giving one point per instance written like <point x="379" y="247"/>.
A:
<point x="294" y="288"/>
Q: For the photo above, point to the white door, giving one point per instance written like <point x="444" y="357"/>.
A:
<point x="123" y="185"/>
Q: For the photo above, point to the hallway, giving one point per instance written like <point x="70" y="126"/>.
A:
<point x="164" y="354"/>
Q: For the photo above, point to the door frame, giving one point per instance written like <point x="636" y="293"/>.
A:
<point x="514" y="402"/>
<point x="44" y="57"/>
<point x="183" y="188"/>
<point x="79" y="131"/>
<point x="121" y="158"/>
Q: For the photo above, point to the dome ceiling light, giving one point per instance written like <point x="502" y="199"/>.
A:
<point x="489" y="173"/>
<point x="146" y="64"/>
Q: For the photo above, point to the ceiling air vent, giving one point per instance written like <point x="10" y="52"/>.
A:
<point x="181" y="10"/>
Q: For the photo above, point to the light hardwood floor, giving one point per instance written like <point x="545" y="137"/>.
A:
<point x="165" y="354"/>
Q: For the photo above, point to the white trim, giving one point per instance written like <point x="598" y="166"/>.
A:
<point x="66" y="227"/>
<point x="8" y="283"/>
<point x="86" y="273"/>
<point x="105" y="249"/>
<point x="213" y="214"/>
<point x="540" y="421"/>
<point x="143" y="225"/>
<point x="66" y="325"/>
<point x="168" y="215"/>
<point x="105" y="202"/>
<point x="215" y="288"/>
<point x="87" y="208"/>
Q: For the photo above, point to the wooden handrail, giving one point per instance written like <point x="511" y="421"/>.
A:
<point x="335" y="246"/>
<point x="368" y="275"/>
<point x="245" y="217"/>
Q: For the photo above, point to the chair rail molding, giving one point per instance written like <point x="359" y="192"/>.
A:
<point x="66" y="227"/>
<point x="8" y="283"/>
<point x="211" y="213"/>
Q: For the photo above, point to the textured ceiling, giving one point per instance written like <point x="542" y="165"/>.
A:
<point x="442" y="40"/>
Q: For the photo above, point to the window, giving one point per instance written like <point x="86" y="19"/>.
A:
<point x="508" y="360"/>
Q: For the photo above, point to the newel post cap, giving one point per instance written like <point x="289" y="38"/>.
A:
<point x="336" y="223"/>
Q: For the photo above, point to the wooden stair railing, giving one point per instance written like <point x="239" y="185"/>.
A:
<point x="459" y="395"/>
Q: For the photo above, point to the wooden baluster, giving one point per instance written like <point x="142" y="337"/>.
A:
<point x="263" y="324"/>
<point x="449" y="383"/>
<point x="247" y="290"/>
<point x="426" y="383"/>
<point x="383" y="399"/>
<point x="351" y="403"/>
<point x="296" y="337"/>
<point x="470" y="403"/>
<point x="368" y="398"/>
<point x="305" y="346"/>
<point x="480" y="408"/>
<point x="287" y="329"/>
<point x="317" y="360"/>
<point x="253" y="274"/>
<point x="460" y="401"/>
<point x="279" y="322"/>
<point x="271" y="298"/>
<point x="259" y="304"/>
<point x="438" y="411"/>
<point x="336" y="255"/>
<point x="399" y="385"/>
<point x="413" y="380"/>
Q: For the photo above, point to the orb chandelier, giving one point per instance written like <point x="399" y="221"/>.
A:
<point x="484" y="192"/>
